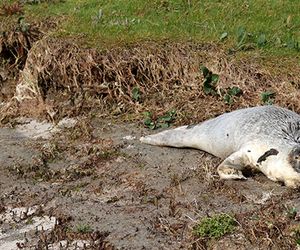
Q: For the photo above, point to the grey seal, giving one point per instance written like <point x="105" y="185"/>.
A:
<point x="265" y="138"/>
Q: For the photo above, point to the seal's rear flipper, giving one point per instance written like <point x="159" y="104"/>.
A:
<point x="232" y="166"/>
<point x="179" y="137"/>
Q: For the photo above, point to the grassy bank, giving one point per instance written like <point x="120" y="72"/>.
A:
<point x="271" y="26"/>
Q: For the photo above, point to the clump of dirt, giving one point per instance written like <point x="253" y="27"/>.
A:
<point x="62" y="79"/>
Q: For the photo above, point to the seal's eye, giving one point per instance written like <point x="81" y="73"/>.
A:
<point x="297" y="157"/>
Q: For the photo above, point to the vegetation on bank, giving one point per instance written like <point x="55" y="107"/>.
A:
<point x="270" y="26"/>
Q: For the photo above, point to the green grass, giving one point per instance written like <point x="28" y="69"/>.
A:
<point x="83" y="228"/>
<point x="215" y="226"/>
<point x="269" y="24"/>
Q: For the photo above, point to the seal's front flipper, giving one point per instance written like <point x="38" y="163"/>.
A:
<point x="232" y="166"/>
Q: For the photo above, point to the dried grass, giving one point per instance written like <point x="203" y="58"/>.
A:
<point x="269" y="227"/>
<point x="15" y="43"/>
<point x="9" y="9"/>
<point x="67" y="80"/>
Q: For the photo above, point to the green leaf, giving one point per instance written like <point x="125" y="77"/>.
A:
<point x="214" y="79"/>
<point x="241" y="36"/>
<point x="261" y="40"/>
<point x="223" y="36"/>
<point x="147" y="114"/>
<point x="208" y="88"/>
<point x="163" y="121"/>
<point x="148" y="121"/>
<point x="267" y="96"/>
<point x="164" y="125"/>
<point x="234" y="91"/>
<point x="152" y="126"/>
<point x="169" y="117"/>
<point x="228" y="99"/>
<point x="136" y="94"/>
<point x="205" y="71"/>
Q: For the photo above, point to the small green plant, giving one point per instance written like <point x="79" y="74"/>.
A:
<point x="292" y="43"/>
<point x="163" y="121"/>
<point x="267" y="97"/>
<point x="83" y="228"/>
<point x="210" y="81"/>
<point x="261" y="40"/>
<point x="244" y="40"/>
<point x="30" y="221"/>
<point x="223" y="36"/>
<point x="292" y="212"/>
<point x="231" y="93"/>
<point x="216" y="226"/>
<point x="136" y="94"/>
<point x="241" y="36"/>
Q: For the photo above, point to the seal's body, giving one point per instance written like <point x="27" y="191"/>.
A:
<point x="266" y="138"/>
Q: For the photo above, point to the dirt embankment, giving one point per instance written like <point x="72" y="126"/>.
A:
<point x="94" y="185"/>
<point x="57" y="78"/>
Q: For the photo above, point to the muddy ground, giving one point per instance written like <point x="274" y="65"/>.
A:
<point x="95" y="186"/>
<point x="92" y="184"/>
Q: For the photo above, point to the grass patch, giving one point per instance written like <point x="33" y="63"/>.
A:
<point x="84" y="228"/>
<point x="269" y="25"/>
<point x="215" y="227"/>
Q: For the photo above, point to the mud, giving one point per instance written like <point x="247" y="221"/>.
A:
<point x="95" y="185"/>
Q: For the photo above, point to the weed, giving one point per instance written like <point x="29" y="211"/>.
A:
<point x="84" y="228"/>
<point x="30" y="221"/>
<point x="136" y="94"/>
<point x="210" y="81"/>
<point x="231" y="94"/>
<point x="215" y="226"/>
<point x="291" y="212"/>
<point x="241" y="36"/>
<point x="210" y="87"/>
<point x="267" y="97"/>
<point x="292" y="43"/>
<point x="163" y="121"/>
<point x="223" y="36"/>
<point x="261" y="40"/>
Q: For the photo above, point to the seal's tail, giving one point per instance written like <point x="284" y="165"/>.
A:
<point x="179" y="137"/>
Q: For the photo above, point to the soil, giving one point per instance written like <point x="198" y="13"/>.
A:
<point x="96" y="178"/>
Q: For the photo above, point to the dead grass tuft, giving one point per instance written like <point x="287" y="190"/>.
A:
<point x="9" y="9"/>
<point x="15" y="43"/>
<point x="269" y="227"/>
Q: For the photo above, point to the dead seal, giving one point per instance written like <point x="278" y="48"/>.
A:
<point x="265" y="138"/>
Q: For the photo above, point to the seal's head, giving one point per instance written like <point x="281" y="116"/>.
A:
<point x="294" y="158"/>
